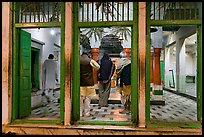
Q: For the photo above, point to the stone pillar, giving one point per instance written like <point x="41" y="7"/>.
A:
<point x="157" y="97"/>
<point x="95" y="57"/>
<point x="151" y="70"/>
<point x="157" y="75"/>
<point x="127" y="50"/>
<point x="141" y="64"/>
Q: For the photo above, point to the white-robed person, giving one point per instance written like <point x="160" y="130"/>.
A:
<point x="49" y="78"/>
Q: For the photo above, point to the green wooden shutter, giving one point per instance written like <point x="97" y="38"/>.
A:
<point x="25" y="74"/>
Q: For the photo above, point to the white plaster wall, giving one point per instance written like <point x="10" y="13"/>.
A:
<point x="43" y="34"/>
<point x="156" y="38"/>
<point x="190" y="64"/>
<point x="180" y="68"/>
<point x="182" y="59"/>
<point x="194" y="58"/>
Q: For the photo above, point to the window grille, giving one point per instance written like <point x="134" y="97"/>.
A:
<point x="105" y="11"/>
<point x="31" y="12"/>
<point x="176" y="10"/>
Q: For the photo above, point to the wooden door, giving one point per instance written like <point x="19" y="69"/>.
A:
<point x="25" y="74"/>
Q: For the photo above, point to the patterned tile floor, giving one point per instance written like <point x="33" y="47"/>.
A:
<point x="176" y="108"/>
<point x="110" y="113"/>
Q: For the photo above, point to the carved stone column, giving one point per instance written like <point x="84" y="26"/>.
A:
<point x="157" y="76"/>
<point x="157" y="96"/>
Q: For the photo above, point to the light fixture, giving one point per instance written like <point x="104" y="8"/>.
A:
<point x="52" y="32"/>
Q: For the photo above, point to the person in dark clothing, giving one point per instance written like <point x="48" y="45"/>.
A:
<point x="86" y="82"/>
<point x="105" y="73"/>
<point x="125" y="83"/>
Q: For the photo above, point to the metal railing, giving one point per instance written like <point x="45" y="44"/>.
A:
<point x="105" y="11"/>
<point x="176" y="10"/>
<point x="31" y="12"/>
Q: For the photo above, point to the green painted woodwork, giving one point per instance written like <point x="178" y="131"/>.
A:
<point x="177" y="124"/>
<point x="175" y="10"/>
<point x="75" y="62"/>
<point x="134" y="66"/>
<point x="15" y="63"/>
<point x="38" y="25"/>
<point x="75" y="66"/>
<point x="174" y="22"/>
<point x="105" y="24"/>
<point x="147" y="75"/>
<point x="162" y="69"/>
<point x="158" y="92"/>
<point x="36" y="68"/>
<point x="19" y="121"/>
<point x="199" y="73"/>
<point x="62" y="64"/>
<point x="25" y="74"/>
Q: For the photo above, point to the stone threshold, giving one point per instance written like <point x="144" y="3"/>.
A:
<point x="52" y="129"/>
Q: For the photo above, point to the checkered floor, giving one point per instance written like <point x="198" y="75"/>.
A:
<point x="110" y="113"/>
<point x="176" y="108"/>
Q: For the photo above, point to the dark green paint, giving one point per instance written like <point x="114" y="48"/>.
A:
<point x="134" y="66"/>
<point x="174" y="22"/>
<point x="36" y="67"/>
<point x="75" y="66"/>
<point x="15" y="63"/>
<point x="147" y="75"/>
<point x="158" y="92"/>
<point x="25" y="74"/>
<point x="38" y="25"/>
<point x="17" y="121"/>
<point x="105" y="24"/>
<point x="199" y="73"/>
<point x="62" y="63"/>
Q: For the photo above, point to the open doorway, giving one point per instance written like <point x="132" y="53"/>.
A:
<point x="112" y="40"/>
<point x="42" y="42"/>
<point x="178" y="87"/>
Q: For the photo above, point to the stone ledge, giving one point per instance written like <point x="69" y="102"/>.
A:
<point x="40" y="129"/>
